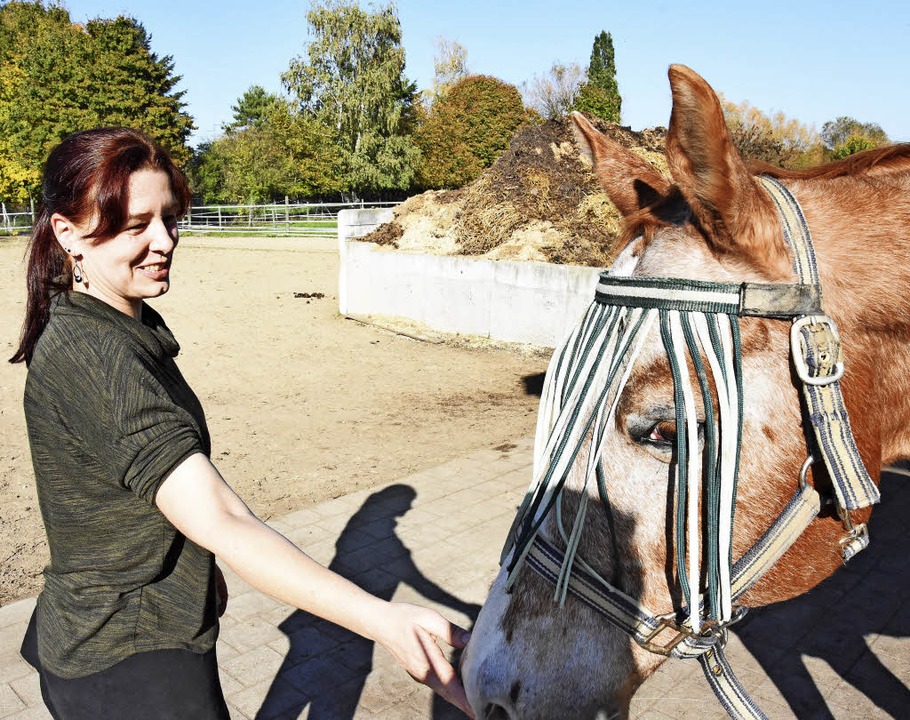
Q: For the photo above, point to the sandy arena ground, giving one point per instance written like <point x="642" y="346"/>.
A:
<point x="302" y="404"/>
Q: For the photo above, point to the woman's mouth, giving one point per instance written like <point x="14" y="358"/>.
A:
<point x="156" y="271"/>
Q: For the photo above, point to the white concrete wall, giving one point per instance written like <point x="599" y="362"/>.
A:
<point x="527" y="302"/>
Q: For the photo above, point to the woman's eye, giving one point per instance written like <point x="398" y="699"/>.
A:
<point x="663" y="432"/>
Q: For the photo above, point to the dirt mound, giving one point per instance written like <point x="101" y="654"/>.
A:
<point x="539" y="201"/>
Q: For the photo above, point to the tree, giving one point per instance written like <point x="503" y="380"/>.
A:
<point x="554" y="94"/>
<point x="353" y="82"/>
<point x="37" y="47"/>
<point x="465" y="132"/>
<point x="775" y="139"/>
<point x="853" y="144"/>
<point x="251" y="108"/>
<point x="284" y="153"/>
<point x="206" y="171"/>
<point x="57" y="77"/>
<point x="845" y="136"/>
<point x="450" y="64"/>
<point x="130" y="85"/>
<point x="600" y="94"/>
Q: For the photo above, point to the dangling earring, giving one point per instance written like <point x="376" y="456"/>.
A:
<point x="77" y="272"/>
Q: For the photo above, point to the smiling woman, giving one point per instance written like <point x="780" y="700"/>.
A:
<point x="101" y="189"/>
<point x="133" y="507"/>
<point x="134" y="264"/>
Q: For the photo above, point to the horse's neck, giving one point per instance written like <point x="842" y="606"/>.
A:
<point x="861" y="229"/>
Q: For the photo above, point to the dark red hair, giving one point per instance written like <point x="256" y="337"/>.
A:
<point x="86" y="176"/>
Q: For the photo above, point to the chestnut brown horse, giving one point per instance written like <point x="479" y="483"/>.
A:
<point x="533" y="657"/>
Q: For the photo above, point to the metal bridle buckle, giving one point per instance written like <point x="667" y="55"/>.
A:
<point x="831" y="345"/>
<point x="857" y="537"/>
<point x="667" y="622"/>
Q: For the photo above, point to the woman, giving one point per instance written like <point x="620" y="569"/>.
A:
<point x="133" y="508"/>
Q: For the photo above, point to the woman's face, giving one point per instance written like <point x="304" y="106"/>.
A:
<point x="135" y="264"/>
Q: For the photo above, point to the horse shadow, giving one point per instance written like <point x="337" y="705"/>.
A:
<point x="326" y="666"/>
<point x="533" y="384"/>
<point x="865" y="599"/>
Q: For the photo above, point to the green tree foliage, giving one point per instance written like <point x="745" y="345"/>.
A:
<point x="57" y="77"/>
<point x="775" y="138"/>
<point x="283" y="153"/>
<point x="130" y="85"/>
<point x="352" y="81"/>
<point x="207" y="171"/>
<point x="251" y="108"/>
<point x="845" y="136"/>
<point x="36" y="47"/>
<point x="464" y="133"/>
<point x="600" y="94"/>
<point x="853" y="144"/>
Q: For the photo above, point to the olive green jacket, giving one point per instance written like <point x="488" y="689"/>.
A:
<point x="109" y="416"/>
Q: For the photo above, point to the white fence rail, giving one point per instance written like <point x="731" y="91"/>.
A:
<point x="292" y="219"/>
<point x="281" y="218"/>
<point x="16" y="223"/>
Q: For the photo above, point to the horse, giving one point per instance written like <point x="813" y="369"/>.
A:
<point x="615" y="510"/>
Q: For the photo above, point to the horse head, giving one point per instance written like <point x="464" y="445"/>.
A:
<point x="539" y="652"/>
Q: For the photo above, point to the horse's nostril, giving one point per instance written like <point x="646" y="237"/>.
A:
<point x="492" y="711"/>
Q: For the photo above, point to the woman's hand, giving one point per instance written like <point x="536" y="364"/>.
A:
<point x="198" y="502"/>
<point x="410" y="634"/>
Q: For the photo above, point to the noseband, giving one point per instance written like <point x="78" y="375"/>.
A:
<point x="699" y="327"/>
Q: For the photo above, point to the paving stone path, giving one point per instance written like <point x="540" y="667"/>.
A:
<point x="841" y="651"/>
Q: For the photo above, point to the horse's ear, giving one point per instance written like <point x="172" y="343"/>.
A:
<point x="630" y="181"/>
<point x="734" y="213"/>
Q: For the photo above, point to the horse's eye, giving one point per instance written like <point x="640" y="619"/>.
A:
<point x="663" y="432"/>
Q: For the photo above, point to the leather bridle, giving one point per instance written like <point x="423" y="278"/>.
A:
<point x="699" y="327"/>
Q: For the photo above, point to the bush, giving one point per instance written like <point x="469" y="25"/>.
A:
<point x="464" y="133"/>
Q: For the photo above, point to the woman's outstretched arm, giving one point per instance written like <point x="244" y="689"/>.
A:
<point x="201" y="505"/>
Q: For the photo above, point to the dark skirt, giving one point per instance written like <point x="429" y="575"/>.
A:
<point x="156" y="685"/>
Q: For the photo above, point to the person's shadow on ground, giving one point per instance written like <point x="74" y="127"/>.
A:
<point x="837" y="620"/>
<point x="326" y="666"/>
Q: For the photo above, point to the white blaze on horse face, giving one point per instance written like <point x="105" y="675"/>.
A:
<point x="625" y="262"/>
<point x="502" y="664"/>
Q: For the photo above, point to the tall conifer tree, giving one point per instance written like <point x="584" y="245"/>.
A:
<point x="600" y="94"/>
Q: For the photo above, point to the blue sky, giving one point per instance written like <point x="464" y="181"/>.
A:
<point x="814" y="60"/>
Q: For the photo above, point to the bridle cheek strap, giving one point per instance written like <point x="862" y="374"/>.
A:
<point x="816" y="352"/>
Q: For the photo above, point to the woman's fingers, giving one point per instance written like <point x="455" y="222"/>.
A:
<point x="440" y="628"/>
<point x="418" y="652"/>
<point x="442" y="677"/>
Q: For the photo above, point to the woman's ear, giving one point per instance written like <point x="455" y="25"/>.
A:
<point x="67" y="234"/>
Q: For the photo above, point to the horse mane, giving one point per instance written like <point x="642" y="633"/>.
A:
<point x="877" y="161"/>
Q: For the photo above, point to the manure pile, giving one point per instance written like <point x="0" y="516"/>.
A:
<point x="539" y="201"/>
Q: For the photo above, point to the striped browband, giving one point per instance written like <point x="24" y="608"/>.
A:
<point x="783" y="300"/>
